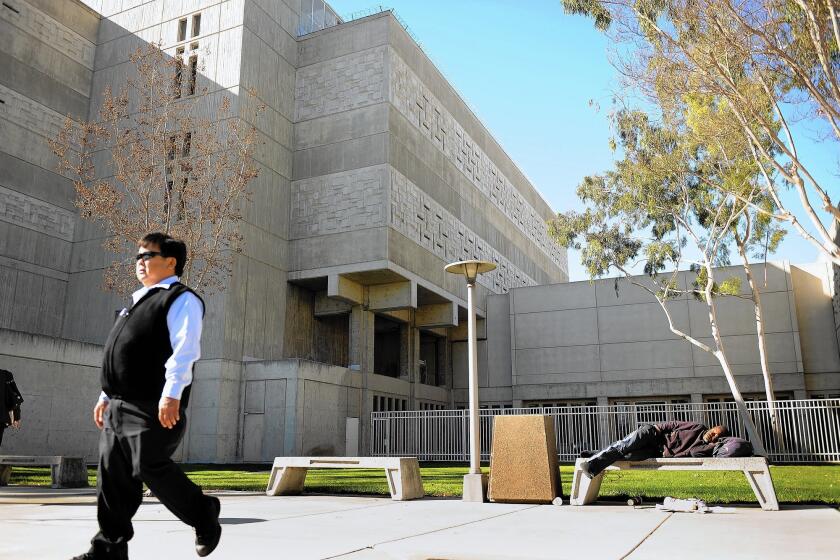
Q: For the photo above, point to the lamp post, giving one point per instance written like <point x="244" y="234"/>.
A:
<point x="473" y="481"/>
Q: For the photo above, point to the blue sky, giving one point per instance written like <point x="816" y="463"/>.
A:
<point x="530" y="73"/>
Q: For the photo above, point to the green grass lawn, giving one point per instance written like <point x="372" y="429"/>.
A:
<point x="794" y="484"/>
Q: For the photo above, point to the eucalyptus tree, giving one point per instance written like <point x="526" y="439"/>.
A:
<point x="653" y="210"/>
<point x="776" y="63"/>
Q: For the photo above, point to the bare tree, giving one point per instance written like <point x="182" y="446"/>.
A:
<point x="163" y="156"/>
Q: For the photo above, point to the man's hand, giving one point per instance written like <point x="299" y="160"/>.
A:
<point x="169" y="412"/>
<point x="16" y="424"/>
<point x="99" y="412"/>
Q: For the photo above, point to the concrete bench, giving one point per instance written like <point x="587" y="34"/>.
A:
<point x="585" y="491"/>
<point x="67" y="472"/>
<point x="403" y="473"/>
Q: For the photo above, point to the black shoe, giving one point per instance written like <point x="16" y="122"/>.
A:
<point x="91" y="555"/>
<point x="207" y="541"/>
<point x="586" y="454"/>
<point x="584" y="468"/>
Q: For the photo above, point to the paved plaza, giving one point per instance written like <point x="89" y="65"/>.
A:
<point x="55" y="524"/>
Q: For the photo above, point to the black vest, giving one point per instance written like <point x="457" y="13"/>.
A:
<point x="138" y="347"/>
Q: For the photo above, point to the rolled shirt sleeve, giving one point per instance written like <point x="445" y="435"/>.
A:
<point x="184" y="321"/>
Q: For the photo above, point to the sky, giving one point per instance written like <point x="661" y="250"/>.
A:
<point x="541" y="82"/>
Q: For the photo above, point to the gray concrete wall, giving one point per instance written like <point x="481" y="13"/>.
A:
<point x="297" y="407"/>
<point x="367" y="158"/>
<point x="610" y="339"/>
<point x="47" y="55"/>
<point x="814" y="291"/>
<point x="59" y="380"/>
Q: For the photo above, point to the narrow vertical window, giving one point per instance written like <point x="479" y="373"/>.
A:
<point x="167" y="201"/>
<point x="182" y="29"/>
<point x="179" y="72"/>
<point x="170" y="148"/>
<point x="193" y="72"/>
<point x="196" y="25"/>
<point x="182" y="200"/>
<point x="185" y="151"/>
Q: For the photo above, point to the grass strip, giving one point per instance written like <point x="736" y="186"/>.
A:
<point x="795" y="484"/>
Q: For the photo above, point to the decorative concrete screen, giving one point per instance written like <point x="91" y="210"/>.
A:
<point x="523" y="465"/>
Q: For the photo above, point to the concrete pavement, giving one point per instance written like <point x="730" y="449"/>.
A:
<point x="48" y="524"/>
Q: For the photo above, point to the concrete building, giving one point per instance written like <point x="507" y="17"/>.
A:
<point x="374" y="174"/>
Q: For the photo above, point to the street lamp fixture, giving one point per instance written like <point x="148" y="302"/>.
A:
<point x="474" y="480"/>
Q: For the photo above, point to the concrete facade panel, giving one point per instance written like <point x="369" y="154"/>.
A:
<point x="736" y="316"/>
<point x="620" y="291"/>
<point x="656" y="354"/>
<point x="270" y="31"/>
<point x="812" y="295"/>
<point x="640" y="322"/>
<point x="556" y="360"/>
<point x="743" y="349"/>
<point x="499" y="372"/>
<point x="73" y="15"/>
<point x="35" y="182"/>
<point x="340" y="127"/>
<point x="41" y="88"/>
<point x="344" y="40"/>
<point x="573" y="327"/>
<point x="39" y="55"/>
<point x="576" y="295"/>
<point x="32" y="21"/>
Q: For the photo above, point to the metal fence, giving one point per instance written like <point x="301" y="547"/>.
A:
<point x="809" y="429"/>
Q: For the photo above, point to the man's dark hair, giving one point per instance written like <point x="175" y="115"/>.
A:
<point x="168" y="247"/>
<point x="724" y="432"/>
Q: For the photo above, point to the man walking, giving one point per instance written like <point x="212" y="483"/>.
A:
<point x="146" y="377"/>
<point x="668" y="439"/>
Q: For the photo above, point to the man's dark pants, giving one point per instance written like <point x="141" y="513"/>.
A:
<point x="644" y="443"/>
<point x="134" y="448"/>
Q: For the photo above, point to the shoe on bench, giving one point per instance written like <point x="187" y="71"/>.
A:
<point x="584" y="468"/>
<point x="206" y="541"/>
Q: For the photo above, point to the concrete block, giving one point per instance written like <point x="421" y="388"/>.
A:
<point x="389" y="297"/>
<point x="436" y="315"/>
<point x="523" y="464"/>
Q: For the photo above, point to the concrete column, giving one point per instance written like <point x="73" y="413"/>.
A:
<point x="442" y="362"/>
<point x="800" y="394"/>
<point x="361" y="360"/>
<point x="409" y="358"/>
<point x="602" y="401"/>
<point x="696" y="398"/>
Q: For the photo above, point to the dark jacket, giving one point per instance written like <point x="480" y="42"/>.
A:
<point x="681" y="437"/>
<point x="134" y="363"/>
<point x="10" y="397"/>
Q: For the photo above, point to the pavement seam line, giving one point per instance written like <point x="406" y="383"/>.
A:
<point x="374" y="545"/>
<point x="652" y="531"/>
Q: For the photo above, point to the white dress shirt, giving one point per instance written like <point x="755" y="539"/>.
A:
<point x="184" y="322"/>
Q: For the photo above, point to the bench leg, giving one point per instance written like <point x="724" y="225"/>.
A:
<point x="70" y="473"/>
<point x="405" y="482"/>
<point x="286" y="480"/>
<point x="763" y="488"/>
<point x="584" y="490"/>
<point x="5" y="474"/>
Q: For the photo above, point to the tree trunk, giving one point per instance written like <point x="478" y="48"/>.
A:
<point x="720" y="354"/>
<point x="762" y="346"/>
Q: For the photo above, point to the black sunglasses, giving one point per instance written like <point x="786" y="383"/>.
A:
<point x="147" y="256"/>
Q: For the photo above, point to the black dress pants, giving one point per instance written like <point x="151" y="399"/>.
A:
<point x="134" y="448"/>
<point x="644" y="443"/>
